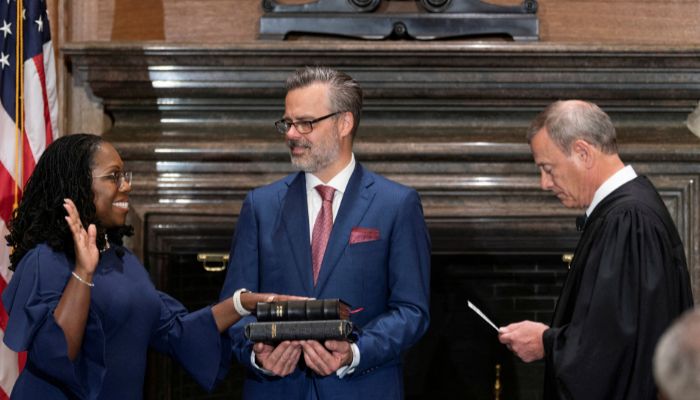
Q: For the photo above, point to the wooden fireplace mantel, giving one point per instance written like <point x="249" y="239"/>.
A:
<point x="195" y="124"/>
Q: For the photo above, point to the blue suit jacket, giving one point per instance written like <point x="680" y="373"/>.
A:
<point x="388" y="277"/>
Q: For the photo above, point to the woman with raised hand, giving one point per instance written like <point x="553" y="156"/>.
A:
<point x="81" y="304"/>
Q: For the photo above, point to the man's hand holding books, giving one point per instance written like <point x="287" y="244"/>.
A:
<point x="327" y="358"/>
<point x="279" y="360"/>
<point x="320" y="329"/>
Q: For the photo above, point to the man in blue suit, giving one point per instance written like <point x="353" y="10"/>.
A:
<point x="376" y="257"/>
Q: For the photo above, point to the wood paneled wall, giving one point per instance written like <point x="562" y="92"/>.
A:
<point x="235" y="21"/>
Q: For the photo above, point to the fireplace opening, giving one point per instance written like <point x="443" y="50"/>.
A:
<point x="457" y="357"/>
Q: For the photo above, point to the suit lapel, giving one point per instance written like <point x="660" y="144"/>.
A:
<point x="356" y="200"/>
<point x="296" y="223"/>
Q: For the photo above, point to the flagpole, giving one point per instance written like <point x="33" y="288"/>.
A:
<point x="19" y="103"/>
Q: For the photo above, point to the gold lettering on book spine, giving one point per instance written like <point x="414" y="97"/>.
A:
<point x="273" y="333"/>
<point x="278" y="311"/>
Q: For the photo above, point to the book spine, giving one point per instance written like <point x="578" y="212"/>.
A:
<point x="278" y="331"/>
<point x="301" y="310"/>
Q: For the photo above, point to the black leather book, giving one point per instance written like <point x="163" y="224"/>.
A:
<point x="277" y="331"/>
<point x="303" y="310"/>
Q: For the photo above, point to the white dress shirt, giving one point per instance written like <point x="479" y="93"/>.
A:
<point x="618" y="179"/>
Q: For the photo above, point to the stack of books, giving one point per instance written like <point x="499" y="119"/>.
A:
<point x="320" y="320"/>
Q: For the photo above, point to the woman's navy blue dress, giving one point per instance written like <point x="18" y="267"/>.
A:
<point x="127" y="316"/>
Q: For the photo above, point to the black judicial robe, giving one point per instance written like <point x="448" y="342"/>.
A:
<point x="628" y="281"/>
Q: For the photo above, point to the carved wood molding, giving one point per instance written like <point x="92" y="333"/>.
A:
<point x="402" y="74"/>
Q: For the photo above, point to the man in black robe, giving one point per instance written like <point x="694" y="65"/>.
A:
<point x="628" y="280"/>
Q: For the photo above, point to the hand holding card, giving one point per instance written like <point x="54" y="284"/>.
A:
<point x="482" y="315"/>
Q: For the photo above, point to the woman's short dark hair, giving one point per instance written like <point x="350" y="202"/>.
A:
<point x="63" y="171"/>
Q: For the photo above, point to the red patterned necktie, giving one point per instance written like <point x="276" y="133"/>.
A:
<point x="322" y="228"/>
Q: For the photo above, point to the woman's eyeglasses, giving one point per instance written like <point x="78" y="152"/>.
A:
<point x="118" y="177"/>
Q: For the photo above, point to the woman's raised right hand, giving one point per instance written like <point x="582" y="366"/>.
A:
<point x="86" y="253"/>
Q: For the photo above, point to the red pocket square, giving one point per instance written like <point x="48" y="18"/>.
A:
<point x="359" y="235"/>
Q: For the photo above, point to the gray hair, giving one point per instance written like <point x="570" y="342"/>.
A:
<point x="568" y="121"/>
<point x="677" y="358"/>
<point x="345" y="93"/>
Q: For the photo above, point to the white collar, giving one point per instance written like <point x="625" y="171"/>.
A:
<point x="338" y="182"/>
<point x="618" y="179"/>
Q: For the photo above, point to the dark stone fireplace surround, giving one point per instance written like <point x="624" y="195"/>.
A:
<point x="194" y="123"/>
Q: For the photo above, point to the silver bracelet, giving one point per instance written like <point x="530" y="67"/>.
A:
<point x="237" y="302"/>
<point x="81" y="280"/>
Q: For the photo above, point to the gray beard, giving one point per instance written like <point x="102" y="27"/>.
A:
<point x="304" y="165"/>
<point x="314" y="162"/>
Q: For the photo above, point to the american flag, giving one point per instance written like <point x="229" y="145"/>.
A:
<point x="29" y="97"/>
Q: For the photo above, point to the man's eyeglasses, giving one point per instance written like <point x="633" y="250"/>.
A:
<point x="118" y="177"/>
<point x="304" y="127"/>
